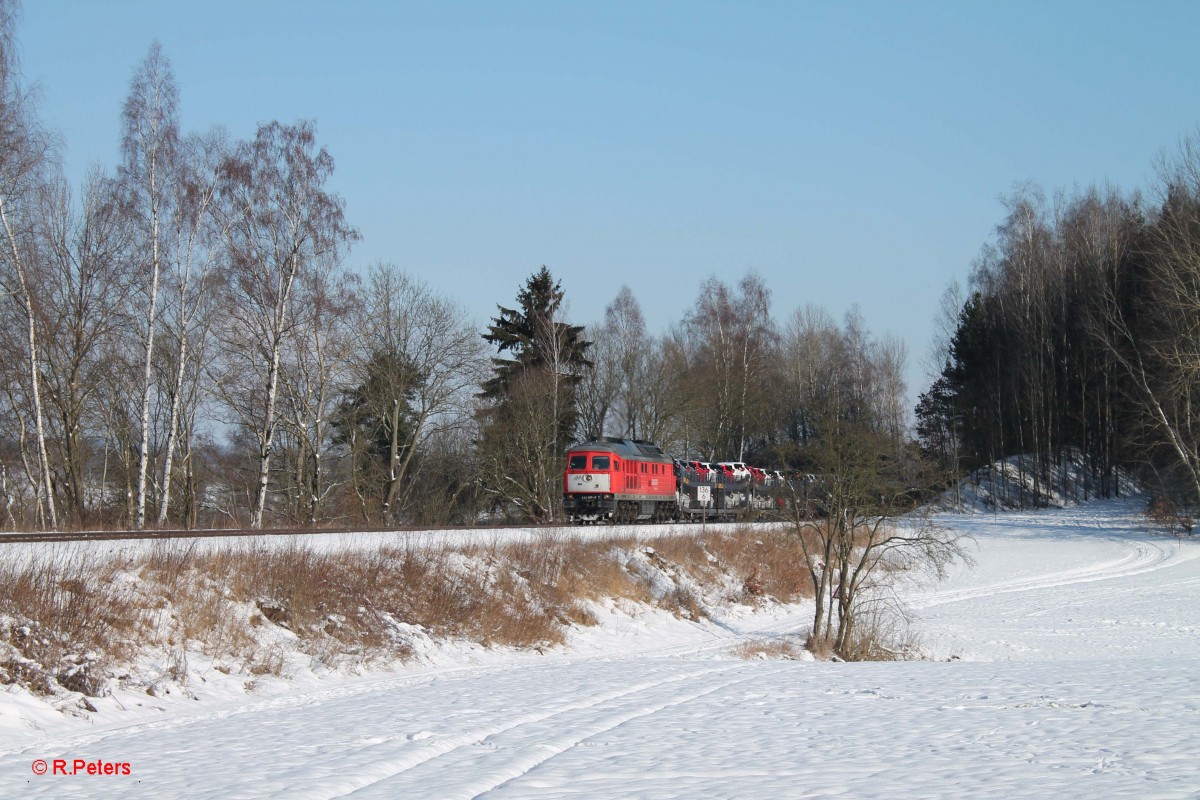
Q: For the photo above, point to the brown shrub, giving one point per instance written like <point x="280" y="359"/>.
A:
<point x="683" y="603"/>
<point x="880" y="633"/>
<point x="1163" y="510"/>
<point x="65" y="622"/>
<point x="770" y="649"/>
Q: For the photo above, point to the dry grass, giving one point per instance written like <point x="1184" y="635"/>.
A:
<point x="64" y="622"/>
<point x="74" y="627"/>
<point x="765" y="563"/>
<point x="769" y="649"/>
<point x="881" y="633"/>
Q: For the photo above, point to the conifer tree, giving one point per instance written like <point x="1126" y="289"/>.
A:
<point x="534" y="337"/>
<point x="533" y="392"/>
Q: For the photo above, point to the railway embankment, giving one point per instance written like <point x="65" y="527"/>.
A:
<point x="76" y="625"/>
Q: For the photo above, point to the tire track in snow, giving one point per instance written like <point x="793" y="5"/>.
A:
<point x="393" y="767"/>
<point x="522" y="746"/>
<point x="534" y="756"/>
<point x="76" y="741"/>
<point x="1144" y="557"/>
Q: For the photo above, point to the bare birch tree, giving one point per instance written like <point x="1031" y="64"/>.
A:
<point x="279" y="219"/>
<point x="189" y="294"/>
<point x="631" y="391"/>
<point x="730" y="336"/>
<point x="1148" y="319"/>
<point x="316" y="366"/>
<point x="626" y="325"/>
<point x="600" y="386"/>
<point x="85" y="284"/>
<point x="25" y="151"/>
<point x="149" y="172"/>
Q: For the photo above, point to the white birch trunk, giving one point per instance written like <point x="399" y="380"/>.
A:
<point x="172" y="431"/>
<point x="35" y="385"/>
<point x="148" y="366"/>
<point x="267" y="437"/>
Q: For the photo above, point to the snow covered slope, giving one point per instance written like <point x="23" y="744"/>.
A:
<point x="1070" y="656"/>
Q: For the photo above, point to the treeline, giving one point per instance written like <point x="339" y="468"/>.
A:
<point x="185" y="344"/>
<point x="726" y="383"/>
<point x="1080" y="332"/>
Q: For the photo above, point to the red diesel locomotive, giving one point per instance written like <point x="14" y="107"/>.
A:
<point x="619" y="480"/>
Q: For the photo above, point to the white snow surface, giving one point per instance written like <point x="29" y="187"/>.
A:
<point x="336" y="541"/>
<point x="1064" y="664"/>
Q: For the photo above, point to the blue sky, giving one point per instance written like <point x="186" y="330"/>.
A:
<point x="848" y="152"/>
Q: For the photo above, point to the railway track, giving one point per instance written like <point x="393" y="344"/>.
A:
<point x="102" y="536"/>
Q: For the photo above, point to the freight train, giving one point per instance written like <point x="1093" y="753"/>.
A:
<point x="630" y="480"/>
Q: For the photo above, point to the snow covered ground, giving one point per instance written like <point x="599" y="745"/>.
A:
<point x="1064" y="664"/>
<point x="338" y="541"/>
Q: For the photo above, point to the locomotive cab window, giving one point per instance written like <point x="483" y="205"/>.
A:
<point x="599" y="462"/>
<point x="577" y="462"/>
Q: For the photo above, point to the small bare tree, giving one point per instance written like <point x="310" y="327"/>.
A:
<point x="417" y="361"/>
<point x="867" y="528"/>
<point x="868" y="532"/>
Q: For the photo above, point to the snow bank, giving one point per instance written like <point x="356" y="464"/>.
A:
<point x="1019" y="482"/>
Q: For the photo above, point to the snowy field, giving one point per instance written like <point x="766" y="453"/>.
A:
<point x="1064" y="664"/>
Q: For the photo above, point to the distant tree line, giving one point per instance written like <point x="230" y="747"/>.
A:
<point x="726" y="383"/>
<point x="1080" y="333"/>
<point x="183" y="344"/>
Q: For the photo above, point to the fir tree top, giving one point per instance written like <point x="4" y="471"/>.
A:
<point x="533" y="336"/>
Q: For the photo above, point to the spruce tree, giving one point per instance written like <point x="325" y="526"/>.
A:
<point x="534" y="338"/>
<point x="532" y="418"/>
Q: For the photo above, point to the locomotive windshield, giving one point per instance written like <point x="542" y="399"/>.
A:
<point x="599" y="462"/>
<point x="577" y="462"/>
